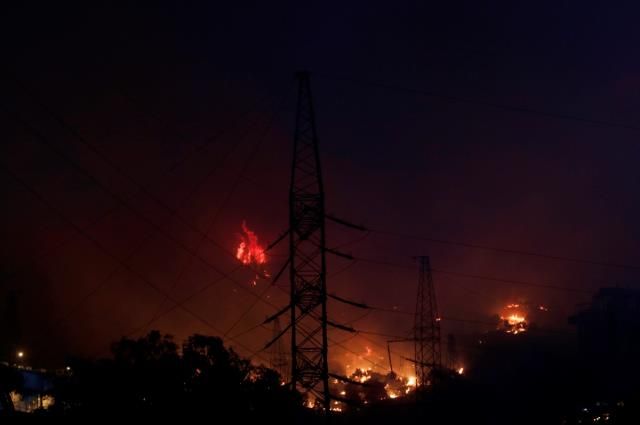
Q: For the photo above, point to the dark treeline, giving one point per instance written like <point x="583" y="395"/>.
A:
<point x="153" y="375"/>
<point x="532" y="378"/>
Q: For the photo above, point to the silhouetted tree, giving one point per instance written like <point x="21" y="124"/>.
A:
<point x="150" y="376"/>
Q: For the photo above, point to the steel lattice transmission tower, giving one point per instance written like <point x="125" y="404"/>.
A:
<point x="426" y="326"/>
<point x="309" y="371"/>
<point x="278" y="357"/>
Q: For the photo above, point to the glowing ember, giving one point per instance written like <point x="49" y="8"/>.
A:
<point x="251" y="253"/>
<point x="460" y="371"/>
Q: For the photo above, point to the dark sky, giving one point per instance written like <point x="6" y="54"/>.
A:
<point x="101" y="101"/>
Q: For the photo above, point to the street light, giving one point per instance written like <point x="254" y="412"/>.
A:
<point x="20" y="354"/>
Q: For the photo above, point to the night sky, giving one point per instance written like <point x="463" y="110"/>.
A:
<point x="129" y="131"/>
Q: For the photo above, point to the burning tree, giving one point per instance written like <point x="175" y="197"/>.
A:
<point x="251" y="254"/>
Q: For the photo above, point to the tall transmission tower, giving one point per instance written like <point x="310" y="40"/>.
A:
<point x="426" y="326"/>
<point x="309" y="365"/>
<point x="278" y="357"/>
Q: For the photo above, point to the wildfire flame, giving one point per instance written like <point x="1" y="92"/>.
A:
<point x="395" y="386"/>
<point x="390" y="392"/>
<point x="251" y="253"/>
<point x="367" y="377"/>
<point x="514" y="321"/>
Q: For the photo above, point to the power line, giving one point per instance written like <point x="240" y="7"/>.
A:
<point x="107" y="160"/>
<point x="43" y="141"/>
<point x="99" y="286"/>
<point x="332" y="341"/>
<point x="479" y="277"/>
<point x="473" y="276"/>
<point x="508" y="250"/>
<point x="353" y="241"/>
<point x="70" y="311"/>
<point x="122" y="201"/>
<point x="450" y="319"/>
<point x="359" y="318"/>
<point x="109" y="254"/>
<point x="475" y="102"/>
<point x="340" y="344"/>
<point x="177" y="305"/>
<point x="382" y="334"/>
<point x="201" y="148"/>
<point x="259" y="298"/>
<point x="374" y="363"/>
<point x="343" y="269"/>
<point x="514" y="282"/>
<point x="470" y="245"/>
<point x="345" y="340"/>
<point x="149" y="114"/>
<point x="370" y="308"/>
<point x="225" y="202"/>
<point x="95" y="290"/>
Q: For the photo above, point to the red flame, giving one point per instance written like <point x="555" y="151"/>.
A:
<point x="249" y="251"/>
